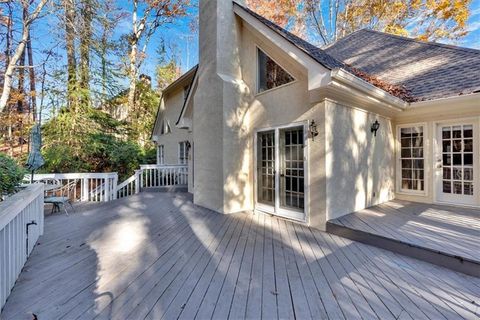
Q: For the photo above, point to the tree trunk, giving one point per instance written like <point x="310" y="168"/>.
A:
<point x="33" y="93"/>
<point x="133" y="58"/>
<point x="85" y="42"/>
<point x="70" y="48"/>
<point x="7" y="85"/>
<point x="133" y="78"/>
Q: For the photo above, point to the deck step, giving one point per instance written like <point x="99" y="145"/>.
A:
<point x="443" y="259"/>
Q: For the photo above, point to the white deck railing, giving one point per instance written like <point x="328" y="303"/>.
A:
<point x="21" y="223"/>
<point x="154" y="176"/>
<point x="103" y="187"/>
<point x="89" y="187"/>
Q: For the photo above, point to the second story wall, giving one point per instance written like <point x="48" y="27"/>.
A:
<point x="171" y="107"/>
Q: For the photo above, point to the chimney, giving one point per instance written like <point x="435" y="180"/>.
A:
<point x="219" y="94"/>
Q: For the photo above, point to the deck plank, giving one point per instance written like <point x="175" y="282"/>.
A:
<point x="451" y="230"/>
<point x="158" y="256"/>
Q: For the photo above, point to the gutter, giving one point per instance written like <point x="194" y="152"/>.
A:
<point x="344" y="77"/>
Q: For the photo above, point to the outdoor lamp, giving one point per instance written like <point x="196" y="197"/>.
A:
<point x="313" y="129"/>
<point x="375" y="127"/>
<point x="188" y="145"/>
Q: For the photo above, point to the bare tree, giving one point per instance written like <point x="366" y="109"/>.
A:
<point x="27" y="22"/>
<point x="145" y="23"/>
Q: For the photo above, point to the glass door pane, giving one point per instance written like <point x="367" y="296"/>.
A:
<point x="266" y="167"/>
<point x="457" y="160"/>
<point x="292" y="171"/>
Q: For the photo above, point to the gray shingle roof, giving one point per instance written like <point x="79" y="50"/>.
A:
<point x="427" y="70"/>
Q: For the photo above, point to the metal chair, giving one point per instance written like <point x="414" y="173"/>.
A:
<point x="62" y="197"/>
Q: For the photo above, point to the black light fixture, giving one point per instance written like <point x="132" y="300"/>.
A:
<point x="188" y="145"/>
<point x="313" y="130"/>
<point x="375" y="127"/>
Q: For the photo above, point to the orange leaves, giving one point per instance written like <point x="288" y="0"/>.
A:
<point x="280" y="11"/>
<point x="423" y="19"/>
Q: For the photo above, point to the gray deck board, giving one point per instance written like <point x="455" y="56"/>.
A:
<point x="452" y="230"/>
<point x="157" y="256"/>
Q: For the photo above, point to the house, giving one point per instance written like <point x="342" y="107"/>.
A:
<point x="269" y="122"/>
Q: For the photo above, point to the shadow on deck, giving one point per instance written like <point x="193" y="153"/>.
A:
<point x="158" y="256"/>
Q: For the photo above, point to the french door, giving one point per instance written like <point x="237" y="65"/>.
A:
<point x="280" y="164"/>
<point x="456" y="167"/>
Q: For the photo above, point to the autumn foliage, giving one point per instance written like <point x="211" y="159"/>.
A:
<point x="326" y="22"/>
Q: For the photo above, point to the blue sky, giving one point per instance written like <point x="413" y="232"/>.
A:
<point x="180" y="35"/>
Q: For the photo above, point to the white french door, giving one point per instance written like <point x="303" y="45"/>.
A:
<point x="456" y="163"/>
<point x="280" y="166"/>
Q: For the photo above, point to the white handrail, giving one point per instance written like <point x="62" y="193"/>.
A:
<point x="96" y="187"/>
<point x="90" y="187"/>
<point x="20" y="215"/>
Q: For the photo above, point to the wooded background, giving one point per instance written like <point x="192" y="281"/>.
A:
<point x="89" y="84"/>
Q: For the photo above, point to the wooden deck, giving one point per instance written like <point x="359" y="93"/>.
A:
<point x="450" y="231"/>
<point x="157" y="256"/>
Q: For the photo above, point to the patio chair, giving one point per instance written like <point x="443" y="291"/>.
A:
<point x="61" y="197"/>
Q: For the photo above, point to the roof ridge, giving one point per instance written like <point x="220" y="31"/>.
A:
<point x="430" y="43"/>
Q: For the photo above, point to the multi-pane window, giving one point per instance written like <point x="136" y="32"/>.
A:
<point x="412" y="160"/>
<point x="266" y="167"/>
<point x="292" y="179"/>
<point x="457" y="159"/>
<point x="160" y="154"/>
<point x="182" y="153"/>
<point x="270" y="74"/>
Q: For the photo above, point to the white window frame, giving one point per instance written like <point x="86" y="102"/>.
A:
<point x="257" y="72"/>
<point x="182" y="159"/>
<point x="160" y="154"/>
<point x="426" y="171"/>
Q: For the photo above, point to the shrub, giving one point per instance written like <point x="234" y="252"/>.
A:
<point x="11" y="174"/>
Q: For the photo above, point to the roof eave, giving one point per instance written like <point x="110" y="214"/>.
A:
<point x="474" y="97"/>
<point x="183" y="78"/>
<point x="363" y="86"/>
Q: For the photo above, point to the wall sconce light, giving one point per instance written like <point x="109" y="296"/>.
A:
<point x="375" y="127"/>
<point x="188" y="145"/>
<point x="313" y="130"/>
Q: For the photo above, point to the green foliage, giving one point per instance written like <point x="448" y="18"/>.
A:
<point x="11" y="174"/>
<point x="91" y="140"/>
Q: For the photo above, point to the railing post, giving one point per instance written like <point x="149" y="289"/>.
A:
<point x="115" y="184"/>
<point x="138" y="177"/>
<point x="85" y="196"/>
<point x="107" y="196"/>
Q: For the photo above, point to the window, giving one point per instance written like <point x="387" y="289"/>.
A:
<point x="270" y="74"/>
<point x="183" y="152"/>
<point x="160" y="154"/>
<point x="412" y="159"/>
<point x="166" y="128"/>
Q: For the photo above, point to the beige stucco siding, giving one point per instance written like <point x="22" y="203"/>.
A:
<point x="430" y="115"/>
<point x="359" y="166"/>
<point x="286" y="105"/>
<point x="173" y="103"/>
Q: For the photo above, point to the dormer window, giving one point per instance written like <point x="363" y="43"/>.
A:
<point x="270" y="74"/>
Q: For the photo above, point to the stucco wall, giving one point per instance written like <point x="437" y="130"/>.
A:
<point x="284" y="106"/>
<point x="173" y="104"/>
<point x="430" y="114"/>
<point x="360" y="168"/>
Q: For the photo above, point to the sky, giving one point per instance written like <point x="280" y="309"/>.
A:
<point x="180" y="36"/>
